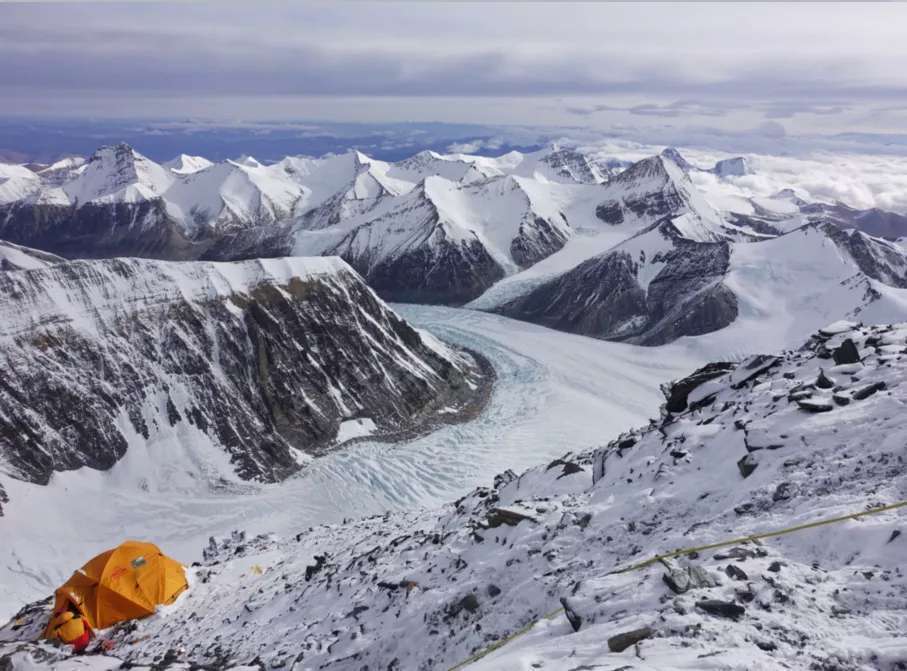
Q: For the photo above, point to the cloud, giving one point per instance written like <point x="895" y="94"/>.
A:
<point x="649" y="61"/>
<point x="477" y="146"/>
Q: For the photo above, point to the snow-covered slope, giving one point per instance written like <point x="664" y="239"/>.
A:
<point x="248" y="368"/>
<point x="186" y="165"/>
<point x="444" y="241"/>
<point x="232" y="195"/>
<point x="661" y="285"/>
<point x="433" y="227"/>
<point x="117" y="174"/>
<point x="16" y="257"/>
<point x="766" y="444"/>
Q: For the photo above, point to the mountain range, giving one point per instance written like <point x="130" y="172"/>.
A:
<point x="563" y="237"/>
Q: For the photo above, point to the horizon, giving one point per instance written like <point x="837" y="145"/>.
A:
<point x="644" y="70"/>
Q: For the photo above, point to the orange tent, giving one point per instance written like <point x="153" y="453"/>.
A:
<point x="124" y="583"/>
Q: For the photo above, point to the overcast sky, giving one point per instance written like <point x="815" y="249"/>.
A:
<point x="775" y="68"/>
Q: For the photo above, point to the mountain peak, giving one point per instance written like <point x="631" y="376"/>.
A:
<point x="184" y="164"/>
<point x="672" y="154"/>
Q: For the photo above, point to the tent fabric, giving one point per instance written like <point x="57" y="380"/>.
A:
<point x="124" y="583"/>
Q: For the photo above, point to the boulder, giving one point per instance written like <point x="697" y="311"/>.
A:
<point x="867" y="390"/>
<point x="815" y="404"/>
<point x="676" y="392"/>
<point x="681" y="580"/>
<point x="573" y="617"/>
<point x="735" y="572"/>
<point x="509" y="516"/>
<point x="720" y="608"/>
<point x="823" y="381"/>
<point x="847" y="352"/>
<point x="747" y="465"/>
<point x="841" y="399"/>
<point x="752" y="368"/>
<point x="621" y="642"/>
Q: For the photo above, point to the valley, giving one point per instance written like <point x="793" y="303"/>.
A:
<point x="549" y="387"/>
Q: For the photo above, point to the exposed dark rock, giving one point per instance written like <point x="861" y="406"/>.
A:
<point x="236" y="356"/>
<point x="498" y="516"/>
<point x="677" y="392"/>
<point x="447" y="272"/>
<point x="739" y="553"/>
<point x="735" y="572"/>
<point x="721" y="608"/>
<point x="867" y="390"/>
<point x="846" y="353"/>
<point x="314" y="569"/>
<point x="502" y="479"/>
<point x="878" y="259"/>
<point x="144" y="229"/>
<point x="752" y="368"/>
<point x="782" y="492"/>
<point x="567" y="467"/>
<point x="823" y="381"/>
<point x="537" y="239"/>
<point x="469" y="603"/>
<point x="573" y="617"/>
<point x="747" y="465"/>
<point x="602" y="297"/>
<point x="621" y="642"/>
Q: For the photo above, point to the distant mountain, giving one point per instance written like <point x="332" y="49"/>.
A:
<point x="661" y="285"/>
<point x="438" y="228"/>
<point x="186" y="165"/>
<point x="446" y="242"/>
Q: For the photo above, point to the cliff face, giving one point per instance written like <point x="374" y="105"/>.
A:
<point x="264" y="360"/>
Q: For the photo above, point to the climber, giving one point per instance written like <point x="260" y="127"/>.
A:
<point x="71" y="627"/>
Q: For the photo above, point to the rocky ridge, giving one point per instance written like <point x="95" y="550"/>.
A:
<point x="263" y="362"/>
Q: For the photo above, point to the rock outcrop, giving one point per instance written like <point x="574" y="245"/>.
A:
<point x="263" y="360"/>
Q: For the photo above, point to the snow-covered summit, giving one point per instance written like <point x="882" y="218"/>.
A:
<point x="184" y="164"/>
<point x="117" y="173"/>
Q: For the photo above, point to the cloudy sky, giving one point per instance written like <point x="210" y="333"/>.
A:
<point x="771" y="68"/>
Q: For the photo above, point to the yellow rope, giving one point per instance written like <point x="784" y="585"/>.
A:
<point x="755" y="537"/>
<point x="679" y="553"/>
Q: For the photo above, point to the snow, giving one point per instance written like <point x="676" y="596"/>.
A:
<point x="118" y="174"/>
<point x="556" y="395"/>
<point x="791" y="286"/>
<point x="432" y="587"/>
<point x="185" y="164"/>
<point x="23" y="258"/>
<point x="554" y="392"/>
<point x="17" y="183"/>
<point x="355" y="428"/>
<point x="52" y="296"/>
<point x="232" y="192"/>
